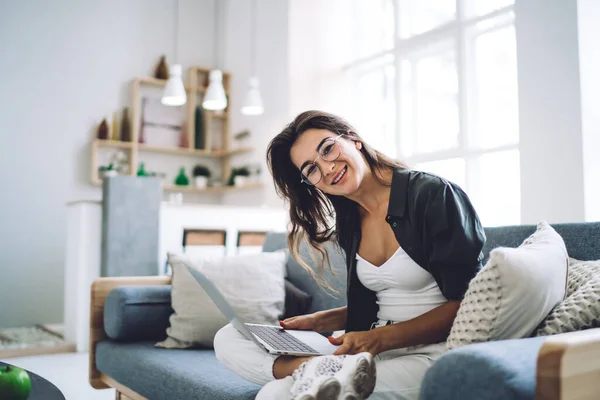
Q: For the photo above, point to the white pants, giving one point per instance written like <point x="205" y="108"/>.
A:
<point x="399" y="372"/>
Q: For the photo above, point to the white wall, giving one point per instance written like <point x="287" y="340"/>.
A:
<point x="589" y="64"/>
<point x="320" y="38"/>
<point x="549" y="111"/>
<point x="272" y="70"/>
<point x="65" y="65"/>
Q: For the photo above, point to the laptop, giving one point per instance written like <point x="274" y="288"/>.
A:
<point x="271" y="338"/>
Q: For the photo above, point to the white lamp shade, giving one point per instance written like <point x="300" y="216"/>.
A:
<point x="215" y="98"/>
<point x="253" y="104"/>
<point x="174" y="94"/>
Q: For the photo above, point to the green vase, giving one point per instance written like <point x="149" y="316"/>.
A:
<point x="199" y="130"/>
<point x="182" y="179"/>
<point x="142" y="170"/>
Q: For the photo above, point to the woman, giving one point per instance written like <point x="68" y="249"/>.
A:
<point x="412" y="242"/>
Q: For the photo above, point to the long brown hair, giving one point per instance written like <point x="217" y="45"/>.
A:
<point x="315" y="216"/>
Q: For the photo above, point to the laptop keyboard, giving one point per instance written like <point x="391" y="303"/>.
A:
<point x="280" y="339"/>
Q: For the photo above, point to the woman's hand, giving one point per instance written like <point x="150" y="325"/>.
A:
<point x="308" y="322"/>
<point x="357" y="342"/>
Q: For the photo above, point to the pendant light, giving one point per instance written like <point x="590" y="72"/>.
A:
<point x="174" y="93"/>
<point x="215" y="98"/>
<point x="253" y="104"/>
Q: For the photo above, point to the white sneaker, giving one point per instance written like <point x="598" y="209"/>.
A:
<point x="277" y="389"/>
<point x="348" y="377"/>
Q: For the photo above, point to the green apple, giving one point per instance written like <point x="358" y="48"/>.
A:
<point x="14" y="383"/>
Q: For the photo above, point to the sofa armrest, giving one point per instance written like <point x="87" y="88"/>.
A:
<point x="99" y="291"/>
<point x="568" y="366"/>
<point x="138" y="313"/>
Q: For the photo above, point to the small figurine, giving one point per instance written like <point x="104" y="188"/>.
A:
<point x="125" y="127"/>
<point x="102" y="133"/>
<point x="142" y="170"/>
<point x="182" y="179"/>
<point x="162" y="70"/>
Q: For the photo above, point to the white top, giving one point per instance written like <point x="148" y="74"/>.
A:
<point x="404" y="289"/>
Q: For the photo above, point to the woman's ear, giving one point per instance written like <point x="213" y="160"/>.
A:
<point x="358" y="145"/>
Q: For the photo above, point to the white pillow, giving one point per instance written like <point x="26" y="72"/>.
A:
<point x="253" y="284"/>
<point x="514" y="292"/>
<point x="581" y="309"/>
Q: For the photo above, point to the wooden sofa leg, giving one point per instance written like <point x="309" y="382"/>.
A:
<point x="121" y="396"/>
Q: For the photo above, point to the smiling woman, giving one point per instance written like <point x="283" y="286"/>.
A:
<point x="412" y="243"/>
<point x="322" y="146"/>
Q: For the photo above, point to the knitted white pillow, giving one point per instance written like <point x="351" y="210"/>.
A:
<point x="581" y="309"/>
<point x="514" y="292"/>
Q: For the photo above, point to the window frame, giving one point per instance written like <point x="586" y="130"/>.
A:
<point x="461" y="33"/>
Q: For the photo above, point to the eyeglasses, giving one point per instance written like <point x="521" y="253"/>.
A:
<point x="328" y="150"/>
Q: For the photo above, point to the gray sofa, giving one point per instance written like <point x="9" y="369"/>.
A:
<point x="129" y="315"/>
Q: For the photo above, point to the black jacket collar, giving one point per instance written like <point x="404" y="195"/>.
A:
<point x="399" y="191"/>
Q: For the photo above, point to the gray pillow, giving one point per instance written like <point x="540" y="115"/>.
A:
<point x="297" y="302"/>
<point x="322" y="299"/>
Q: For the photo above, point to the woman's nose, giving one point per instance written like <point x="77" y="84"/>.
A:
<point x="326" y="166"/>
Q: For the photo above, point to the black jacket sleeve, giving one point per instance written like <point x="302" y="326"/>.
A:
<point x="455" y="239"/>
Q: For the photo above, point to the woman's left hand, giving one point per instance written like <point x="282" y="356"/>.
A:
<point x="357" y="342"/>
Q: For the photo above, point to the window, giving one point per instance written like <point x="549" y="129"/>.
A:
<point x="435" y="84"/>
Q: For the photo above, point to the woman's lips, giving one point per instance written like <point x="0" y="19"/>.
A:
<point x="343" y="171"/>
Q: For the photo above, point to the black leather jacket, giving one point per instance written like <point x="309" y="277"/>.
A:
<point x="435" y="223"/>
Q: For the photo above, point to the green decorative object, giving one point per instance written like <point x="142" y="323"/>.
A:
<point x="201" y="174"/>
<point x="199" y="130"/>
<point x="182" y="179"/>
<point x="242" y="171"/>
<point x="142" y="170"/>
<point x="201" y="170"/>
<point x="15" y="383"/>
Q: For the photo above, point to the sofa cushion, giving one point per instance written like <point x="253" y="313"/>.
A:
<point x="297" y="302"/>
<point x="253" y="284"/>
<point x="170" y="374"/>
<point x="322" y="299"/>
<point x="492" y="371"/>
<point x="581" y="309"/>
<point x="137" y="312"/>
<point x="514" y="292"/>
<point x="581" y="239"/>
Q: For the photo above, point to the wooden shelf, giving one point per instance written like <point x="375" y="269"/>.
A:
<point x="162" y="83"/>
<point x="213" y="122"/>
<point x="114" y="143"/>
<point x="223" y="116"/>
<point x="194" y="190"/>
<point x="231" y="152"/>
<point x="210" y="189"/>
<point x="194" y="152"/>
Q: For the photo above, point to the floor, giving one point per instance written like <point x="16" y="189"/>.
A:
<point x="67" y="371"/>
<point x="33" y="340"/>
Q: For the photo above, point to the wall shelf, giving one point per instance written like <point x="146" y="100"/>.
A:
<point x="194" y="152"/>
<point x="211" y="189"/>
<point x="213" y="122"/>
<point x="195" y="190"/>
<point x="113" y="143"/>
